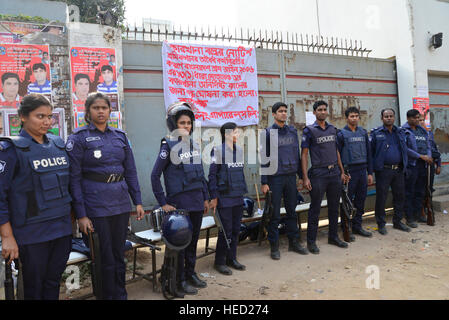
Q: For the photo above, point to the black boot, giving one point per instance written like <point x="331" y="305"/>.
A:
<point x="336" y="241"/>
<point x="186" y="288"/>
<point x="312" y="247"/>
<point x="275" y="254"/>
<point x="196" y="282"/>
<point x="223" y="269"/>
<point x="293" y="245"/>
<point x="362" y="232"/>
<point x="235" y="264"/>
<point x="403" y="227"/>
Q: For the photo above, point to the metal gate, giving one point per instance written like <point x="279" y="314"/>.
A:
<point x="297" y="78"/>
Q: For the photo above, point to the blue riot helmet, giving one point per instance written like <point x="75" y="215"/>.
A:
<point x="248" y="207"/>
<point x="177" y="109"/>
<point x="300" y="199"/>
<point x="176" y="230"/>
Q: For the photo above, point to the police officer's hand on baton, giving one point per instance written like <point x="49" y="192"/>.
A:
<point x="438" y="170"/>
<point x="213" y="203"/>
<point x="307" y="184"/>
<point x="426" y="158"/>
<point x="9" y="245"/>
<point x="206" y="206"/>
<point x="168" y="208"/>
<point x="85" y="225"/>
<point x="345" y="178"/>
<point x="140" y="212"/>
<point x="265" y="188"/>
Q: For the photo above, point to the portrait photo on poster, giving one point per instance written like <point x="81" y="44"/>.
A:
<point x="93" y="70"/>
<point x="24" y="69"/>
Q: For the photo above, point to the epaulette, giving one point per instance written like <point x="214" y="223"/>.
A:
<point x="80" y="129"/>
<point x="5" y="143"/>
<point x="57" y="140"/>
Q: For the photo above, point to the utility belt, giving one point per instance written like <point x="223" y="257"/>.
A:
<point x="393" y="166"/>
<point x="329" y="167"/>
<point x="105" y="178"/>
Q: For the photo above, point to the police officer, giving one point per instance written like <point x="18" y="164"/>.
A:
<point x="325" y="175"/>
<point x="389" y="147"/>
<point x="436" y="155"/>
<point x="419" y="156"/>
<point x="355" y="151"/>
<point x="185" y="184"/>
<point x="102" y="174"/>
<point x="35" y="222"/>
<point x="282" y="183"/>
<point x="227" y="186"/>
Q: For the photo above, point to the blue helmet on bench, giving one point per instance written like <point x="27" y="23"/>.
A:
<point x="248" y="207"/>
<point x="176" y="230"/>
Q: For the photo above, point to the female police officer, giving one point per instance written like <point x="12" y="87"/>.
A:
<point x="227" y="186"/>
<point x="35" y="219"/>
<point x="102" y="173"/>
<point x="186" y="188"/>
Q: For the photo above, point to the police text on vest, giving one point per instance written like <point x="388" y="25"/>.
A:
<point x="49" y="162"/>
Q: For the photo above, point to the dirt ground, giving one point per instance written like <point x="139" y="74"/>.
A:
<point x="412" y="265"/>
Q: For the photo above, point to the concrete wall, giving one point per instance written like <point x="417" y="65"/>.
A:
<point x="52" y="10"/>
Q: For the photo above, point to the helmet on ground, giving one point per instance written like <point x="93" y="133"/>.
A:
<point x="248" y="207"/>
<point x="176" y="110"/>
<point x="176" y="230"/>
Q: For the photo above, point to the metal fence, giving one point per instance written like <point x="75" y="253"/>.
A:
<point x="277" y="40"/>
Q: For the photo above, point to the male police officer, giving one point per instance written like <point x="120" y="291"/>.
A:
<point x="325" y="175"/>
<point x="436" y="155"/>
<point x="355" y="151"/>
<point x="283" y="182"/>
<point x="419" y="154"/>
<point x="389" y="150"/>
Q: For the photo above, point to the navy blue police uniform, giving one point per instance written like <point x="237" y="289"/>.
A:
<point x="356" y="157"/>
<point x="389" y="152"/>
<point x="416" y="173"/>
<point x="283" y="182"/>
<point x="227" y="183"/>
<point x="186" y="188"/>
<point x="35" y="199"/>
<point x="324" y="176"/>
<point x="102" y="174"/>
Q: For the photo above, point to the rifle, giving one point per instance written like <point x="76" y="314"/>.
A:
<point x="427" y="209"/>
<point x="220" y="228"/>
<point x="130" y="236"/>
<point x="266" y="216"/>
<point x="9" y="282"/>
<point x="346" y="210"/>
<point x="95" y="267"/>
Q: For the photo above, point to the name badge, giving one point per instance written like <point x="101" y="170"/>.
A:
<point x="88" y="139"/>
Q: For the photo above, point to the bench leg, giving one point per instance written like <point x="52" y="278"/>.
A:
<point x="207" y="240"/>
<point x="134" y="262"/>
<point x="153" y="260"/>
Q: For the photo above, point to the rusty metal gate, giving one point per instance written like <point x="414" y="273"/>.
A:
<point x="298" y="78"/>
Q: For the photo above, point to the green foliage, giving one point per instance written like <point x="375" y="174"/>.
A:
<point x="22" y="18"/>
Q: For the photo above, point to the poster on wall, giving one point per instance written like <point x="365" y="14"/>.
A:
<point x="24" y="69"/>
<point x="93" y="70"/>
<point x="12" y="123"/>
<point x="423" y="106"/>
<point x="13" y="32"/>
<point x="219" y="82"/>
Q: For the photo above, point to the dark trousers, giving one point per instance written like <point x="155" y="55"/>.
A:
<point x="187" y="257"/>
<point x="357" y="193"/>
<point x="330" y="185"/>
<point x="42" y="267"/>
<point x="230" y="218"/>
<point x="112" y="234"/>
<point x="385" y="179"/>
<point x="283" y="186"/>
<point x="415" y="189"/>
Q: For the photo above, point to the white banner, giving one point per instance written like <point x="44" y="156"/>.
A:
<point x="219" y="82"/>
